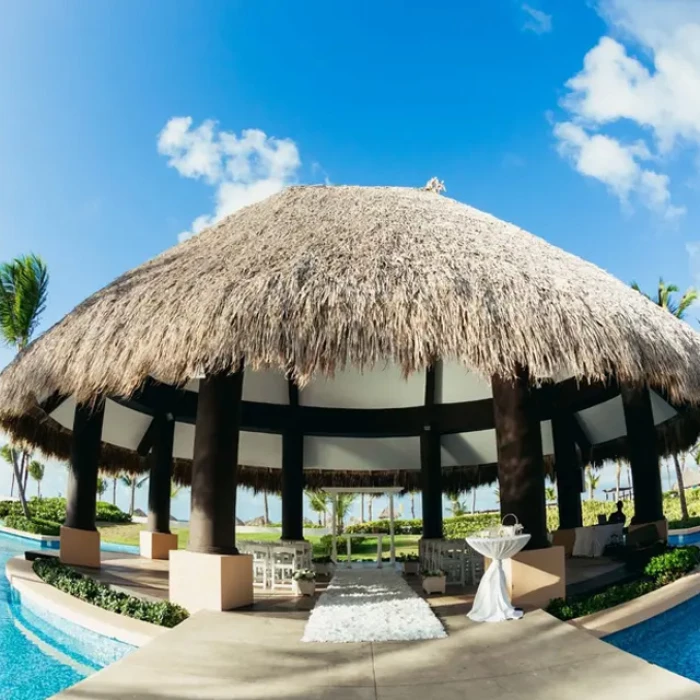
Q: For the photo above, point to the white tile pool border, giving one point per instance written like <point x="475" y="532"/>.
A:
<point x="20" y="574"/>
<point x="29" y="535"/>
<point x="684" y="531"/>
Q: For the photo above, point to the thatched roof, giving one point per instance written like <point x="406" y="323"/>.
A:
<point x="318" y="278"/>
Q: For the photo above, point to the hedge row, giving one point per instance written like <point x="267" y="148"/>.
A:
<point x="660" y="570"/>
<point x="54" y="510"/>
<point x="36" y="526"/>
<point x="70" y="581"/>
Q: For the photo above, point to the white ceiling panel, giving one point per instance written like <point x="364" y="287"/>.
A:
<point x="454" y="384"/>
<point x="361" y="453"/>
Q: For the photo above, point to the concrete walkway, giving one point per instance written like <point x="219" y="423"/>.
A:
<point x="258" y="656"/>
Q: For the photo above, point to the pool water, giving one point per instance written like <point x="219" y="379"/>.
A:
<point x="41" y="654"/>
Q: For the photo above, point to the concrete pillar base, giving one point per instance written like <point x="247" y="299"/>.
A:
<point x="201" y="581"/>
<point x="156" y="545"/>
<point x="565" y="538"/>
<point x="661" y="527"/>
<point x="536" y="576"/>
<point x="80" y="547"/>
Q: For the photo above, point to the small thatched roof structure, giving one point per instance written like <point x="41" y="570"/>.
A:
<point x="317" y="283"/>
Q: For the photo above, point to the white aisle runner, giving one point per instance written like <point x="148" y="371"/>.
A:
<point x="371" y="605"/>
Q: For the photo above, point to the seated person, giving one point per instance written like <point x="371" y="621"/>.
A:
<point x="618" y="517"/>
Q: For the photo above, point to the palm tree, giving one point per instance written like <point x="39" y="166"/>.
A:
<point x="618" y="476"/>
<point x="473" y="499"/>
<point x="266" y="506"/>
<point x="593" y="479"/>
<point x="318" y="500"/>
<point x="36" y="471"/>
<point x="101" y="486"/>
<point x="362" y="507"/>
<point x="343" y="504"/>
<point x="370" y="500"/>
<point x="133" y="482"/>
<point x="23" y="290"/>
<point x="115" y="480"/>
<point x="413" y="505"/>
<point x="550" y="494"/>
<point x="666" y="300"/>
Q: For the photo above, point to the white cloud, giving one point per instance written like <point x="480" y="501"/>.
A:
<point x="616" y="165"/>
<point x="644" y="76"/>
<point x="244" y="169"/>
<point x="537" y="21"/>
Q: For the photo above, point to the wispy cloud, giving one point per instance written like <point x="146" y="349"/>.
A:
<point x="243" y="169"/>
<point x="537" y="21"/>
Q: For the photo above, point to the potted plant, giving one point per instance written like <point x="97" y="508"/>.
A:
<point x="434" y="581"/>
<point x="411" y="563"/>
<point x="304" y="582"/>
<point x="323" y="566"/>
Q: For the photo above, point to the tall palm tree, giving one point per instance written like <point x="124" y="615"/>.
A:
<point x="666" y="300"/>
<point x="473" y="499"/>
<point x="343" y="504"/>
<point x="102" y="486"/>
<point x="133" y="482"/>
<point x="593" y="480"/>
<point x="36" y="471"/>
<point x="618" y="477"/>
<point x="24" y="284"/>
<point x="370" y="500"/>
<point x="266" y="506"/>
<point x="362" y="507"/>
<point x="413" y="505"/>
<point x="115" y="480"/>
<point x="318" y="500"/>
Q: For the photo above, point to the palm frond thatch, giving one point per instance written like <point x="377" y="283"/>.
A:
<point x="318" y="278"/>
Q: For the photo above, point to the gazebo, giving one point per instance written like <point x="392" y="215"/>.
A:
<point x="353" y="336"/>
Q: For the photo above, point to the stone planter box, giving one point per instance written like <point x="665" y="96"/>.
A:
<point x="411" y="568"/>
<point x="434" y="584"/>
<point x="307" y="588"/>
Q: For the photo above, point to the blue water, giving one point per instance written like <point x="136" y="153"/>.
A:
<point x="41" y="654"/>
<point x="679" y="540"/>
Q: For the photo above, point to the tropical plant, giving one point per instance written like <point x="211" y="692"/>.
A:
<point x="343" y="503"/>
<point x="666" y="300"/>
<point x="550" y="493"/>
<point x="174" y="490"/>
<point x="413" y="505"/>
<point x="101" y="485"/>
<point x="24" y="285"/>
<point x="133" y="482"/>
<point x="457" y="507"/>
<point x="592" y="479"/>
<point x="36" y="471"/>
<point x="266" y="508"/>
<point x="319" y="500"/>
<point x="618" y="477"/>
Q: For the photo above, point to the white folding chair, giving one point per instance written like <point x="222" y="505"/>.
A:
<point x="283" y="564"/>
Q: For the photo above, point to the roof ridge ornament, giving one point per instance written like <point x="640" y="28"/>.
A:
<point x="435" y="185"/>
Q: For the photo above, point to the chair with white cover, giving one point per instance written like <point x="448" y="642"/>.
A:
<point x="283" y="564"/>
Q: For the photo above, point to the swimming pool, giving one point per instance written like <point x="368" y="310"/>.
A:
<point x="43" y="654"/>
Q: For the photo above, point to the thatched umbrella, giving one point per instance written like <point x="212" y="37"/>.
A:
<point x="318" y="281"/>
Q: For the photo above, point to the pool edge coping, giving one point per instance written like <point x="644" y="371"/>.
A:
<point x="683" y="531"/>
<point x="606" y="622"/>
<point x="23" y="580"/>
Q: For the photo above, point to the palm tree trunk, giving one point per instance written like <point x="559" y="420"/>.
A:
<point x="18" y="478"/>
<point x="267" y="508"/>
<point x="681" y="488"/>
<point x="369" y="507"/>
<point x="362" y="507"/>
<point x="618" y="476"/>
<point x="114" y="491"/>
<point x="474" y="499"/>
<point x="132" y="503"/>
<point x="413" y="506"/>
<point x="669" y="481"/>
<point x="26" y="478"/>
<point x="12" y="485"/>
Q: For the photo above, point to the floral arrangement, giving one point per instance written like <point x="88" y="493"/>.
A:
<point x="304" y="575"/>
<point x="409" y="556"/>
<point x="429" y="573"/>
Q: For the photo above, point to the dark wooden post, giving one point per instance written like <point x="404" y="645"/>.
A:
<point x="293" y="473"/>
<point x="81" y="501"/>
<point x="431" y="465"/>
<point x="568" y="471"/>
<point x="642" y="452"/>
<point x="161" y="462"/>
<point x="215" y="462"/>
<point x="520" y="462"/>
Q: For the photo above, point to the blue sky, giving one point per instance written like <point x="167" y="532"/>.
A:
<point x="577" y="121"/>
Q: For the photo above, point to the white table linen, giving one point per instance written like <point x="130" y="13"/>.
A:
<point x="492" y="601"/>
<point x="592" y="541"/>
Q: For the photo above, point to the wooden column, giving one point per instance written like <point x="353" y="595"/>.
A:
<point x="568" y="471"/>
<point x="215" y="462"/>
<point x="642" y="452"/>
<point x="81" y="501"/>
<point x="431" y="465"/>
<point x="293" y="473"/>
<point x="520" y="462"/>
<point x="161" y="462"/>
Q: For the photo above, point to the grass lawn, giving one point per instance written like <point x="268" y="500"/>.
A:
<point x="129" y="534"/>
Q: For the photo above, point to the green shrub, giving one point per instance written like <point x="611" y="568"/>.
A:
<point x="70" y="581"/>
<point x="692" y="521"/>
<point x="672" y="565"/>
<point x="660" y="570"/>
<point x="37" y="526"/>
<point x="54" y="510"/>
